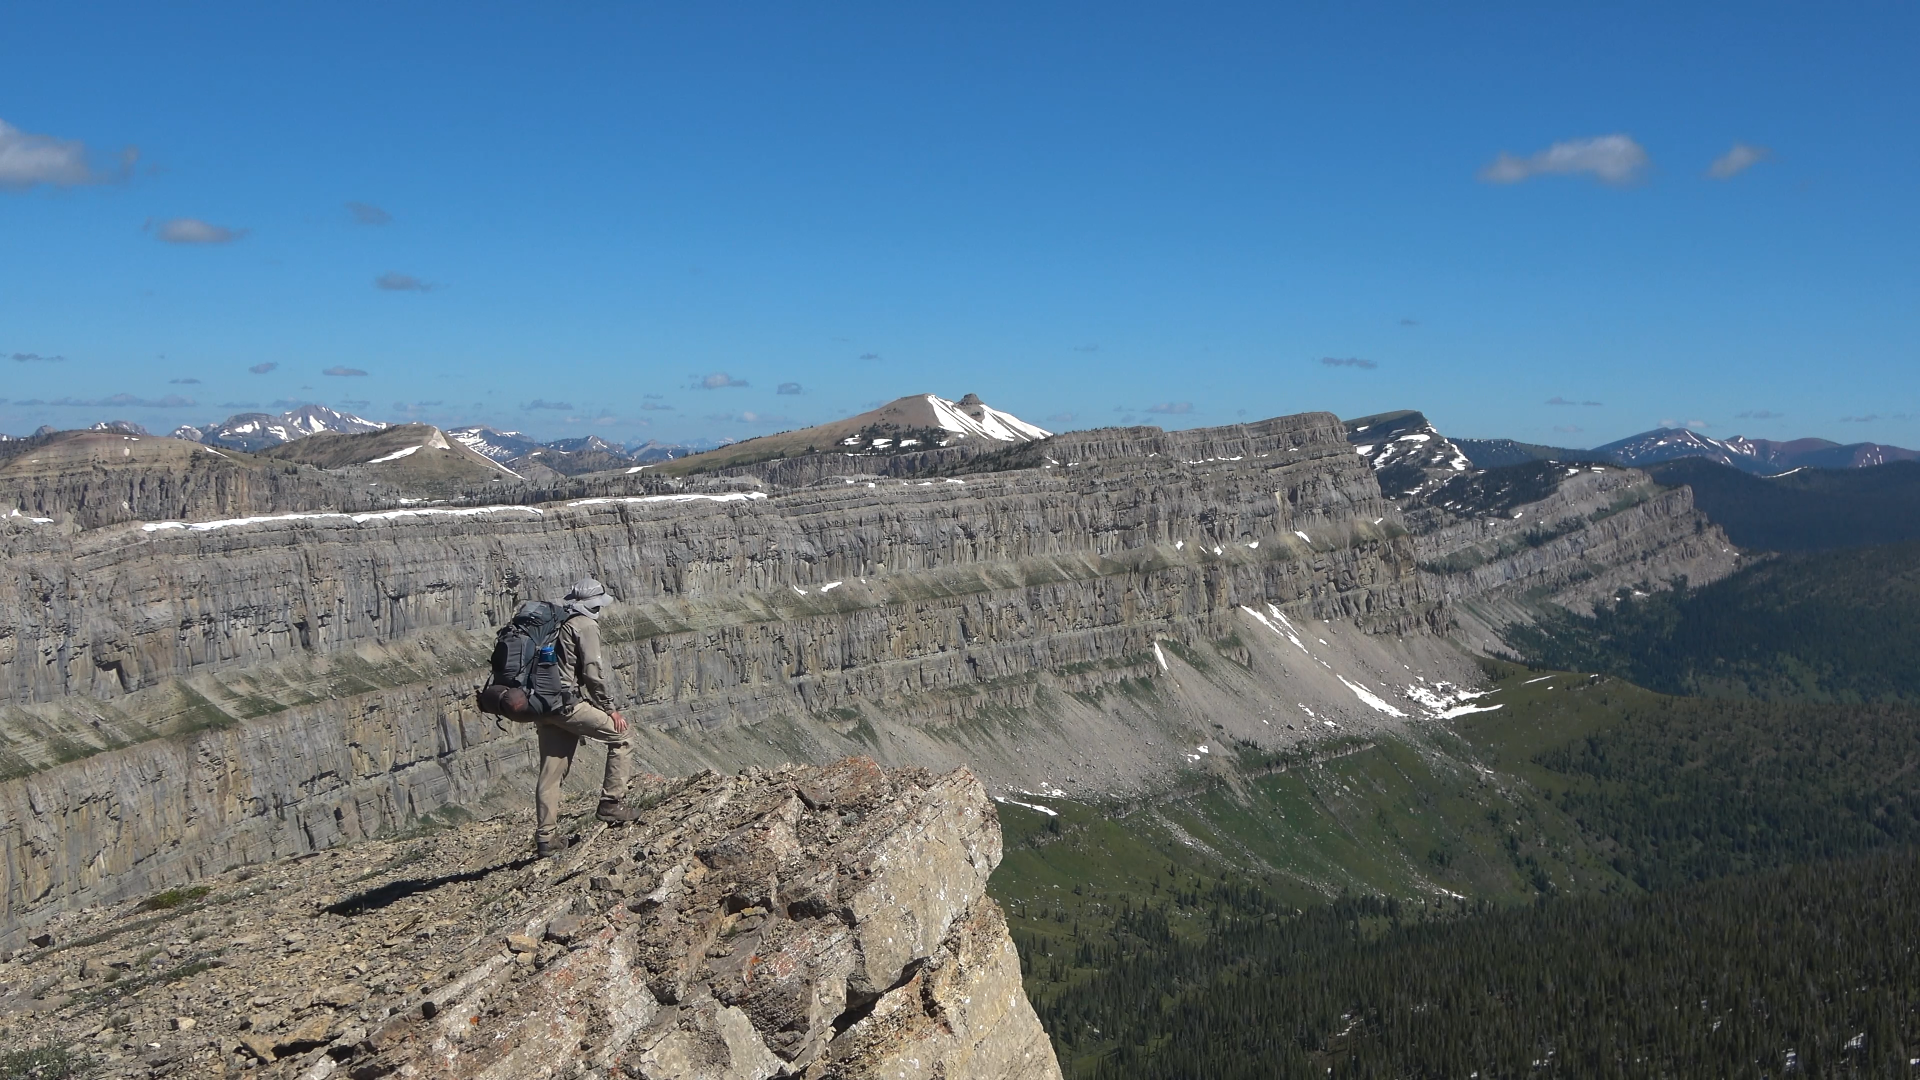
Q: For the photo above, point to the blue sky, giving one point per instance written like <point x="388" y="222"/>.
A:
<point x="1174" y="213"/>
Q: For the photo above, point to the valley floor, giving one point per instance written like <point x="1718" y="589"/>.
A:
<point x="1592" y="880"/>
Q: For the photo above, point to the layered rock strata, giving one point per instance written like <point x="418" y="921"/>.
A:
<point x="180" y="698"/>
<point x="797" y="922"/>
<point x="1502" y="546"/>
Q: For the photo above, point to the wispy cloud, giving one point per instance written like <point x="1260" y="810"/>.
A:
<point x="1558" y="400"/>
<point x="188" y="230"/>
<point x="28" y="160"/>
<point x="746" y="418"/>
<point x="718" y="380"/>
<point x="126" y="401"/>
<point x="538" y="403"/>
<point x="184" y="382"/>
<point x="1349" y="361"/>
<point x="1693" y="425"/>
<point x="368" y="214"/>
<point x="395" y="281"/>
<point x="1409" y="322"/>
<point x="1874" y="417"/>
<point x="789" y="388"/>
<point x="869" y="356"/>
<point x="35" y="358"/>
<point x="1172" y="408"/>
<point x="344" y="372"/>
<point x="1737" y="160"/>
<point x="262" y="369"/>
<point x="655" y="406"/>
<point x="1759" y="414"/>
<point x="1060" y="418"/>
<point x="1615" y="159"/>
<point x="239" y="404"/>
<point x="1569" y="429"/>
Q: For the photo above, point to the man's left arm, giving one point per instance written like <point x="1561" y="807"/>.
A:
<point x="592" y="669"/>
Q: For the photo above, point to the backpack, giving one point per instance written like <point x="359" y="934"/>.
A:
<point x="525" y="683"/>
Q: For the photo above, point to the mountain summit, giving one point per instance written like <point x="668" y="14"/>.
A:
<point x="913" y="424"/>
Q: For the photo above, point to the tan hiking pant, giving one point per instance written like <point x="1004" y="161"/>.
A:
<point x="559" y="737"/>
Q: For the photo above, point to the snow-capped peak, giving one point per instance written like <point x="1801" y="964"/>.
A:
<point x="972" y="417"/>
<point x="1408" y="454"/>
<point x="258" y="431"/>
<point x="497" y="445"/>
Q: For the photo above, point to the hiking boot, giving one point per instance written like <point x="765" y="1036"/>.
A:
<point x="544" y="848"/>
<point x="615" y="812"/>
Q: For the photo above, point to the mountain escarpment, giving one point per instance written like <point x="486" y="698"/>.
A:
<point x="183" y="697"/>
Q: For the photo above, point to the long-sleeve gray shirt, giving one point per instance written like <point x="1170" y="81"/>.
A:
<point x="581" y="668"/>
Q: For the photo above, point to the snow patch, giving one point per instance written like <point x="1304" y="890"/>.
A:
<point x="357" y="519"/>
<point x="1047" y="810"/>
<point x="992" y="424"/>
<point x="1444" y="700"/>
<point x="1369" y="698"/>
<point x="731" y="496"/>
<point x="397" y="454"/>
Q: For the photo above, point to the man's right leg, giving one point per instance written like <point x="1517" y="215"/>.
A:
<point x="556" y="760"/>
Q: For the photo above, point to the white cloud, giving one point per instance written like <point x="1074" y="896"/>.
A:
<point x="1616" y="159"/>
<point x="395" y="281"/>
<point x="188" y="230"/>
<point x="27" y="160"/>
<point x="1737" y="160"/>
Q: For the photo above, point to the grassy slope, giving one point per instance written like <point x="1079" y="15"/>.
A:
<point x="1451" y="812"/>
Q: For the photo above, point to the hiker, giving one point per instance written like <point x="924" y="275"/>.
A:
<point x="591" y="716"/>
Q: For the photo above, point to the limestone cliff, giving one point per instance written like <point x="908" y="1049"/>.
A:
<point x="1501" y="546"/>
<point x="177" y="698"/>
<point x="799" y="922"/>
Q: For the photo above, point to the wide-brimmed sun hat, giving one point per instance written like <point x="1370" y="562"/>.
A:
<point x="589" y="593"/>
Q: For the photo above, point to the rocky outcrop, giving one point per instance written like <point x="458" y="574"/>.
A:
<point x="797" y="922"/>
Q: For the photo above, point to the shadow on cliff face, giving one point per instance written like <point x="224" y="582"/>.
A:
<point x="395" y="891"/>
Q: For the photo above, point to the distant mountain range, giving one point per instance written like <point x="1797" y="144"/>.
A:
<point x="251" y="432"/>
<point x="570" y="457"/>
<point x="1403" y="446"/>
<point x="1761" y="457"/>
<point x="255" y="432"/>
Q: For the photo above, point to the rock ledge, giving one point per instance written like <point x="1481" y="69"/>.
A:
<point x="824" y="922"/>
